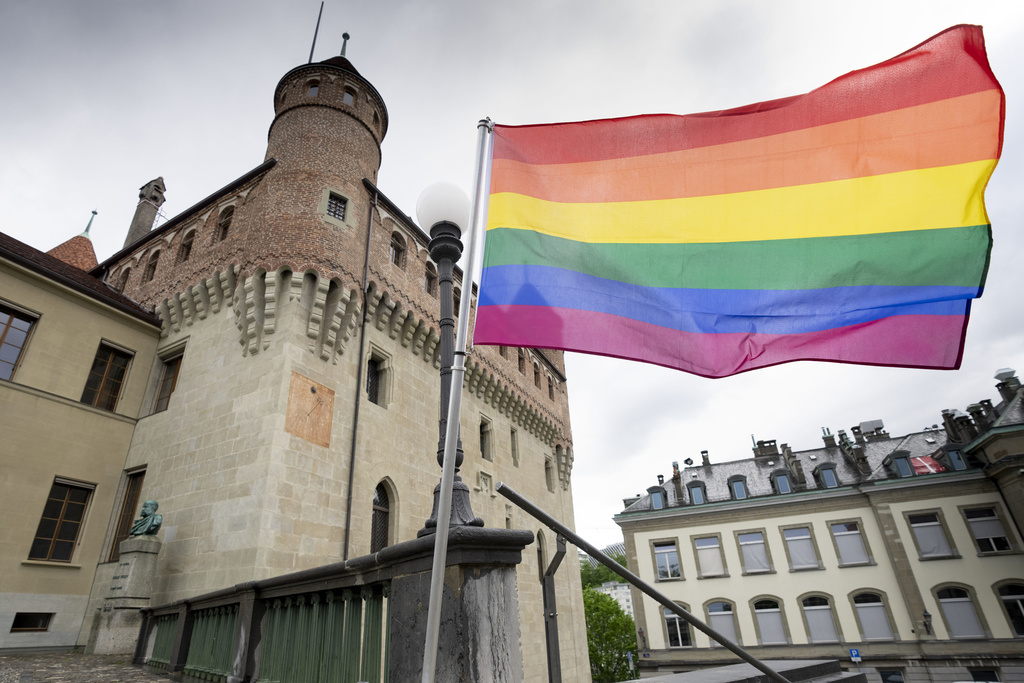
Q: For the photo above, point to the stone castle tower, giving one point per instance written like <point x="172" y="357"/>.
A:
<point x="291" y="419"/>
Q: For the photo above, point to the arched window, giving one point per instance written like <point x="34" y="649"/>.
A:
<point x="873" y="617"/>
<point x="821" y="623"/>
<point x="959" y="613"/>
<point x="381" y="514"/>
<point x="396" y="252"/>
<point x="430" y="280"/>
<point x="551" y="389"/>
<point x="185" y="250"/>
<point x="314" y="88"/>
<point x="536" y="375"/>
<point x="770" y="625"/>
<point x="522" y="361"/>
<point x="150" y="271"/>
<point x="124" y="279"/>
<point x="720" y="618"/>
<point x="224" y="222"/>
<point x="1012" y="596"/>
<point x="677" y="630"/>
<point x="349" y="96"/>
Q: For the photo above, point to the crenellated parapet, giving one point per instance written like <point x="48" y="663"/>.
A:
<point x="330" y="315"/>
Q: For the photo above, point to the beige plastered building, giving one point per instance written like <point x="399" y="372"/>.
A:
<point x="905" y="549"/>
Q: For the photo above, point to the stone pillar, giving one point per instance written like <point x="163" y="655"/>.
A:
<point x="118" y="624"/>
<point x="479" y="638"/>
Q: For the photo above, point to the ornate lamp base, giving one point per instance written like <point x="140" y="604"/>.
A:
<point x="462" y="512"/>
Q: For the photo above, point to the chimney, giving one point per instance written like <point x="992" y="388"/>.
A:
<point x="977" y="412"/>
<point x="854" y="452"/>
<point x="794" y="465"/>
<point x="764" y="449"/>
<point x="661" y="479"/>
<point x="828" y="437"/>
<point x="151" y="198"/>
<point x="965" y="427"/>
<point x="705" y="460"/>
<point x="1008" y="383"/>
<point x="857" y="436"/>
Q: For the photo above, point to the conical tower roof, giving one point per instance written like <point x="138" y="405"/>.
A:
<point x="77" y="251"/>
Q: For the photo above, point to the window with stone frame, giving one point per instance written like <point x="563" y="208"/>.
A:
<point x="373" y="377"/>
<point x="678" y="630"/>
<point x="123" y="280"/>
<point x="821" y="623"/>
<point x="151" y="265"/>
<point x="522" y="361"/>
<point x="1012" y="597"/>
<point x="709" y="556"/>
<point x="227" y="214"/>
<point x="872" y="616"/>
<point x="721" y="618"/>
<point x="987" y="530"/>
<point x="549" y="474"/>
<point x="753" y="552"/>
<point x="15" y="328"/>
<point x="106" y="377"/>
<point x="929" y="535"/>
<point x="348" y="96"/>
<point x="337" y="206"/>
<point x="551" y="389"/>
<point x="514" y="442"/>
<point x="770" y="623"/>
<point x="378" y="377"/>
<point x="486" y="451"/>
<point x="60" y="524"/>
<point x="185" y="250"/>
<point x="891" y="675"/>
<point x="129" y="505"/>
<point x="959" y="613"/>
<point x="503" y="351"/>
<point x="380" y="524"/>
<point x="313" y="88"/>
<point x="801" y="549"/>
<point x="666" y="559"/>
<point x="849" y="543"/>
<point x="984" y="675"/>
<point x="536" y="376"/>
<point x="168" y="382"/>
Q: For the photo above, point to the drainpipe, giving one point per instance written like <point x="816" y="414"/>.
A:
<point x="359" y="380"/>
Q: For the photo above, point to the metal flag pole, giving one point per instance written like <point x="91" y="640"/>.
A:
<point x="478" y="213"/>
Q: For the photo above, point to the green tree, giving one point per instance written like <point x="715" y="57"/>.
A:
<point x="610" y="637"/>
<point x="594" y="575"/>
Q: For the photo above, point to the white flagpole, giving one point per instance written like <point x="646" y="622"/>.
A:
<point x="478" y="213"/>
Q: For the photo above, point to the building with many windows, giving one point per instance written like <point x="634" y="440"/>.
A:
<point x="280" y="394"/>
<point x="907" y="549"/>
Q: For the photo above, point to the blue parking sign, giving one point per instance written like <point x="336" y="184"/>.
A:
<point x="854" y="655"/>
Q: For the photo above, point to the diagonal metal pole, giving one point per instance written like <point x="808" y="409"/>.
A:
<point x="444" y="505"/>
<point x="559" y="528"/>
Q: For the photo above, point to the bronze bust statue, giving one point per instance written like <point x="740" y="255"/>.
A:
<point x="149" y="522"/>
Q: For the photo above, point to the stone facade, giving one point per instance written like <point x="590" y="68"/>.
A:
<point x="281" y="294"/>
<point x="906" y="549"/>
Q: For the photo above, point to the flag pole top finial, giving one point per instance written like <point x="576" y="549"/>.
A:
<point x="85" y="233"/>
<point x="344" y="44"/>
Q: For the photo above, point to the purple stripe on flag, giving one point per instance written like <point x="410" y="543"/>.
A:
<point x="923" y="341"/>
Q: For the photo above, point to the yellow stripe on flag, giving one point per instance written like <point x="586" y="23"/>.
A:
<point x="922" y="199"/>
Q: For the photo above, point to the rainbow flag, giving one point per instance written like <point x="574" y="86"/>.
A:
<point x="847" y="224"/>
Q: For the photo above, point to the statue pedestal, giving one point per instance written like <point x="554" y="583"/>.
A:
<point x="117" y="627"/>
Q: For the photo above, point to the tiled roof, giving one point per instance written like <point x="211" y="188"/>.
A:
<point x="77" y="252"/>
<point x="70" y="276"/>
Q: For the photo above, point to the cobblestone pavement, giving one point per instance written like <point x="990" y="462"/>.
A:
<point x="72" y="667"/>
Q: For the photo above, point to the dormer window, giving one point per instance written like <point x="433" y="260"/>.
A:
<point x="658" y="498"/>
<point x="956" y="460"/>
<point x="901" y="463"/>
<point x="781" y="483"/>
<point x="314" y="88"/>
<point x="827" y="477"/>
<point x="698" y="494"/>
<point x="738" y="487"/>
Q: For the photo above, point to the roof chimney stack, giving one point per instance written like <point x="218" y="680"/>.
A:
<point x="151" y="198"/>
<point x="706" y="461"/>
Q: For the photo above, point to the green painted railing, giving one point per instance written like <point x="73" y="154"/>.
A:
<point x="166" y="626"/>
<point x="326" y="637"/>
<point x="212" y="644"/>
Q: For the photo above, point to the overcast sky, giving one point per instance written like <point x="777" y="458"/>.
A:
<point x="99" y="97"/>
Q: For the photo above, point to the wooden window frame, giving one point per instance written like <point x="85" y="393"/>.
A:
<point x="60" y="519"/>
<point x="19" y="313"/>
<point x="113" y="350"/>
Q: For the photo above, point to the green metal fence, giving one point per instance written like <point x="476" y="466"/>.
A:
<point x="326" y="637"/>
<point x="166" y="626"/>
<point x="212" y="644"/>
